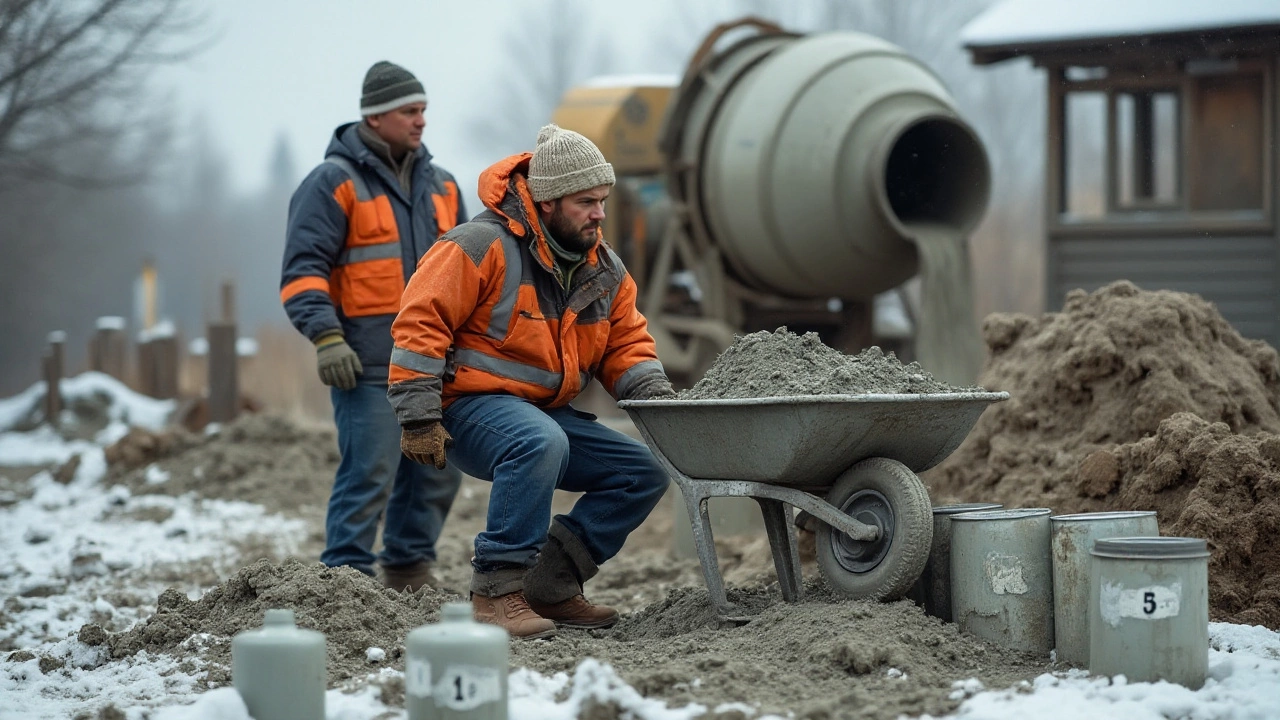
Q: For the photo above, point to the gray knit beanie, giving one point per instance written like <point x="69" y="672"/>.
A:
<point x="564" y="162"/>
<point x="388" y="86"/>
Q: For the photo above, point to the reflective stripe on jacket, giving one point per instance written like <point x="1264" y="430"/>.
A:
<point x="354" y="238"/>
<point x="485" y="313"/>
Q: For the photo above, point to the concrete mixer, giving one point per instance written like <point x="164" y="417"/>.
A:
<point x="787" y="180"/>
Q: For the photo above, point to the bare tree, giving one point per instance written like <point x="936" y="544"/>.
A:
<point x="70" y="77"/>
<point x="547" y="49"/>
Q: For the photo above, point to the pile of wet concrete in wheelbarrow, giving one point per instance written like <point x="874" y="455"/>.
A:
<point x="1124" y="400"/>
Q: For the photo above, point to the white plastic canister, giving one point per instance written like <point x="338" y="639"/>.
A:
<point x="280" y="670"/>
<point x="1073" y="538"/>
<point x="1150" y="597"/>
<point x="456" y="668"/>
<point x="932" y="590"/>
<point x="1001" y="577"/>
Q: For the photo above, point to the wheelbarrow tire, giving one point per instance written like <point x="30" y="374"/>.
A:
<point x="886" y="492"/>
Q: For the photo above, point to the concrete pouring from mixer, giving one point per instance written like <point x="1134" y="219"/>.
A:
<point x="804" y="177"/>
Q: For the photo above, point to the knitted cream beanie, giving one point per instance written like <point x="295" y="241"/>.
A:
<point x="564" y="162"/>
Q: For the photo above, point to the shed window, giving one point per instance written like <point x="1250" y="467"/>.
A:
<point x="1084" y="155"/>
<point x="1165" y="146"/>
<point x="1146" y="149"/>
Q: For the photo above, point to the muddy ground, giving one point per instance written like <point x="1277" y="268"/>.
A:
<point x="824" y="657"/>
<point x="1126" y="400"/>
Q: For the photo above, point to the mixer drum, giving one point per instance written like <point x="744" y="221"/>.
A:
<point x="810" y="162"/>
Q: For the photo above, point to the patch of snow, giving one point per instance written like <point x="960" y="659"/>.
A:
<point x="42" y="446"/>
<point x="154" y="475"/>
<point x="1039" y="21"/>
<point x="162" y="329"/>
<point x="110" y="322"/>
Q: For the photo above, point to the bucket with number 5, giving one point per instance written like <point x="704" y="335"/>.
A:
<point x="456" y="669"/>
<point x="1150" y="602"/>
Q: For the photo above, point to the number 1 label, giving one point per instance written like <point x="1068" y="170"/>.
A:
<point x="467" y="687"/>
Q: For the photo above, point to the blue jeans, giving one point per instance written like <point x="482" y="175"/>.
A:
<point x="527" y="453"/>
<point x="374" y="478"/>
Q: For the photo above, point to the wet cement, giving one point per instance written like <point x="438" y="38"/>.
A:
<point x="780" y="363"/>
<point x="947" y="339"/>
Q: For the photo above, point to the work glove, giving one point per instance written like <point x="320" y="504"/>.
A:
<point x="653" y="387"/>
<point x="337" y="362"/>
<point x="427" y="444"/>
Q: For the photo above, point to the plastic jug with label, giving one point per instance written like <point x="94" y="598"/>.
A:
<point x="456" y="669"/>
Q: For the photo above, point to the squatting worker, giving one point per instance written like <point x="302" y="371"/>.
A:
<point x="357" y="227"/>
<point x="505" y="321"/>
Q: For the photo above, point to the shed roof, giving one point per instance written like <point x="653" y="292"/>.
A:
<point x="1026" y="27"/>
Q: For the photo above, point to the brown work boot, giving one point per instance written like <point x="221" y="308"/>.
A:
<point x="512" y="613"/>
<point x="577" y="612"/>
<point x="411" y="577"/>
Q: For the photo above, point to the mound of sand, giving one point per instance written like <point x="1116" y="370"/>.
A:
<point x="1129" y="399"/>
<point x="353" y="610"/>
<point x="264" y="459"/>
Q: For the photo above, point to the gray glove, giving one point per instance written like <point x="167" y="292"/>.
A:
<point x="653" y="387"/>
<point x="337" y="362"/>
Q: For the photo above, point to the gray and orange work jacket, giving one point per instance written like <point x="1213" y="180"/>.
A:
<point x="354" y="238"/>
<point x="487" y="313"/>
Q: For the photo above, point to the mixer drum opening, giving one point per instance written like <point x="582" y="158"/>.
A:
<point x="937" y="174"/>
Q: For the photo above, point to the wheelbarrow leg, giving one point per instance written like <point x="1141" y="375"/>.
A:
<point x="705" y="544"/>
<point x="786" y="551"/>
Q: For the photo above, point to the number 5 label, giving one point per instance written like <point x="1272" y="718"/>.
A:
<point x="1156" y="602"/>
<point x="467" y="687"/>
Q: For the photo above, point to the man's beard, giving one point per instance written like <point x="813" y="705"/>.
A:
<point x="573" y="239"/>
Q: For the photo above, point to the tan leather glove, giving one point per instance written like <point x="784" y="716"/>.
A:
<point x="337" y="362"/>
<point x="426" y="445"/>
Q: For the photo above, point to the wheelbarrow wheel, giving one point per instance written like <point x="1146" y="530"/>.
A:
<point x="886" y="494"/>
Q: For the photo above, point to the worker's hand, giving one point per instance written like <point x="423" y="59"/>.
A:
<point x="337" y="362"/>
<point x="426" y="445"/>
<point x="654" y="387"/>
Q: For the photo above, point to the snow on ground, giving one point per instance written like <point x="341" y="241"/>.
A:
<point x="67" y="548"/>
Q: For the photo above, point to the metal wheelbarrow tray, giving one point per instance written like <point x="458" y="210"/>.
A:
<point x="850" y="461"/>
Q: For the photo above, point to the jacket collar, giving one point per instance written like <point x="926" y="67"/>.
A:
<point x="346" y="142"/>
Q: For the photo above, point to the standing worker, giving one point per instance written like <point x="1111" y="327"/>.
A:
<point x="357" y="227"/>
<point x="506" y="320"/>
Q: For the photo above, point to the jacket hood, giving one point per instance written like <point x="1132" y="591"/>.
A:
<point x="504" y="189"/>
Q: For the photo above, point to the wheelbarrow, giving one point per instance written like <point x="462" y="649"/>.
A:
<point x="848" y="461"/>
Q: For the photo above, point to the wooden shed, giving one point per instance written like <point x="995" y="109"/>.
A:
<point x="1161" y="150"/>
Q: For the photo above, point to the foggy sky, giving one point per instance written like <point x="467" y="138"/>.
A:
<point x="295" y="67"/>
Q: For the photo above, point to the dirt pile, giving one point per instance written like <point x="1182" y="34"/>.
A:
<point x="1205" y="481"/>
<point x="1129" y="399"/>
<point x="778" y="363"/>
<point x="264" y="459"/>
<point x="825" y="657"/>
<point x="353" y="610"/>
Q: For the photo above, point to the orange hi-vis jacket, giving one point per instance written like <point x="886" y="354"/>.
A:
<point x="353" y="239"/>
<point x="486" y="313"/>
